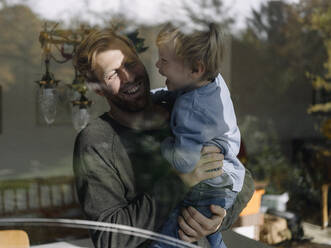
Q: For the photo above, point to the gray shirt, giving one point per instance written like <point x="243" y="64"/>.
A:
<point x="116" y="170"/>
<point x="121" y="178"/>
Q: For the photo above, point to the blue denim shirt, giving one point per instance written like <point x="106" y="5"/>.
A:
<point x="204" y="116"/>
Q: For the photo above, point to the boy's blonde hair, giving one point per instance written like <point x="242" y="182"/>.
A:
<point x="97" y="41"/>
<point x="199" y="46"/>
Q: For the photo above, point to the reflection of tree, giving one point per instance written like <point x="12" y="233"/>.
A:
<point x="19" y="47"/>
<point x="283" y="48"/>
<point x="283" y="51"/>
<point x="19" y="50"/>
<point x="202" y="12"/>
<point x="266" y="160"/>
<point x="187" y="14"/>
<point x="289" y="47"/>
<point x="321" y="22"/>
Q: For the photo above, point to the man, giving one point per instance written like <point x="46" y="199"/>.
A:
<point x="117" y="157"/>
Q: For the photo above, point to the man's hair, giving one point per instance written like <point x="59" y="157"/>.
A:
<point x="97" y="41"/>
<point x="198" y="46"/>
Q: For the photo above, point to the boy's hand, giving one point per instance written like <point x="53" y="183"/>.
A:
<point x="209" y="166"/>
<point x="194" y="225"/>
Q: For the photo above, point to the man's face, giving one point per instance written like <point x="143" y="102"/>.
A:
<point x="173" y="68"/>
<point x="123" y="77"/>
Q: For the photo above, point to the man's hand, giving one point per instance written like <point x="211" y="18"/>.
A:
<point x="194" y="225"/>
<point x="209" y="166"/>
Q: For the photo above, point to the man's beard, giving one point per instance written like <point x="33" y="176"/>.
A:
<point x="131" y="105"/>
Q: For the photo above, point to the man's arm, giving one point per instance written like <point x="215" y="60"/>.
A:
<point x="193" y="225"/>
<point x="105" y="188"/>
<point x="209" y="166"/>
<point x="241" y="201"/>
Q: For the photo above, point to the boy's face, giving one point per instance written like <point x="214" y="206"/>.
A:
<point x="179" y="75"/>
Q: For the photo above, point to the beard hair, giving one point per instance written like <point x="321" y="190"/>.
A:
<point x="131" y="107"/>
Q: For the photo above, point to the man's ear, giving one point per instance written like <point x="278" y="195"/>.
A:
<point x="96" y="87"/>
<point x="198" y="69"/>
<point x="99" y="92"/>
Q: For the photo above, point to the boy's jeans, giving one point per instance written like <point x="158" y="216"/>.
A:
<point x="201" y="197"/>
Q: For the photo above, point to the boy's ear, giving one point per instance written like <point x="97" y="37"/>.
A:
<point x="198" y="69"/>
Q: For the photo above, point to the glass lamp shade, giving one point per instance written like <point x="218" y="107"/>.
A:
<point x="80" y="117"/>
<point x="72" y="94"/>
<point x="47" y="103"/>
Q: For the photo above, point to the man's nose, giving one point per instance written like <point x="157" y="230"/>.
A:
<point x="127" y="76"/>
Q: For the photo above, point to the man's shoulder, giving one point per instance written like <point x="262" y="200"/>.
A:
<point x="97" y="131"/>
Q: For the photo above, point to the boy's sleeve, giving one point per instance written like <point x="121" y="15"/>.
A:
<point x="191" y="128"/>
<point x="230" y="138"/>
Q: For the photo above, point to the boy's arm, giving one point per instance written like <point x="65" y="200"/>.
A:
<point x="209" y="166"/>
<point x="230" y="138"/>
<point x="191" y="128"/>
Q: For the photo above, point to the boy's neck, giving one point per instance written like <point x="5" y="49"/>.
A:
<point x="202" y="83"/>
<point x="196" y="85"/>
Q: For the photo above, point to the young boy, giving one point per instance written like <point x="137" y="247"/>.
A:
<point x="202" y="114"/>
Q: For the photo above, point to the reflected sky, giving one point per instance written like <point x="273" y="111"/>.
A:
<point x="142" y="12"/>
